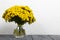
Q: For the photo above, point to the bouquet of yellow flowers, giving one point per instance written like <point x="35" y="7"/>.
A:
<point x="20" y="15"/>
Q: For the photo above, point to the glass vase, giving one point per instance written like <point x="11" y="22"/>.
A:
<point x="19" y="32"/>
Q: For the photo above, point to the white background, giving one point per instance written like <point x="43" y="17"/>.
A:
<point x="46" y="12"/>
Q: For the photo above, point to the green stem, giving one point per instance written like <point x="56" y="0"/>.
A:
<point x="20" y="28"/>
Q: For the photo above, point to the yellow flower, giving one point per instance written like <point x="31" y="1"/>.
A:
<point x="23" y="12"/>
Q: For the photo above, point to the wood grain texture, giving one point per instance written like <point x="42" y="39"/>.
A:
<point x="31" y="37"/>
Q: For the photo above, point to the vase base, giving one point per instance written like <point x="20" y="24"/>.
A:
<point x="19" y="36"/>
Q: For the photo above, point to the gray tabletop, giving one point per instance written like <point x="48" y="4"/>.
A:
<point x="31" y="37"/>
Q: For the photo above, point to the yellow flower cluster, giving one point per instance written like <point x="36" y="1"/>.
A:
<point x="23" y="12"/>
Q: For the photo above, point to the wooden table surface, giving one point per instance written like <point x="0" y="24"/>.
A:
<point x="31" y="37"/>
